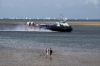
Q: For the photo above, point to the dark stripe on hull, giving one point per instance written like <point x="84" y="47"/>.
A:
<point x="61" y="29"/>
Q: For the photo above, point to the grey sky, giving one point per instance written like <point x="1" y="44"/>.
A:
<point x="72" y="9"/>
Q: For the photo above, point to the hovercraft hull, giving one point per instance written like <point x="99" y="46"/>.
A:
<point x="60" y="29"/>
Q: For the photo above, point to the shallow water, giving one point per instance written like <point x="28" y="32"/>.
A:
<point x="81" y="39"/>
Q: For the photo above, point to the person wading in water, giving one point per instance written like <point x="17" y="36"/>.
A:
<point x="47" y="52"/>
<point x="51" y="52"/>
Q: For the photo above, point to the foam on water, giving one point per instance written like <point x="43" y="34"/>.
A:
<point x="23" y="28"/>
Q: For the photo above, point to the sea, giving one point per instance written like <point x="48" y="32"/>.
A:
<point x="81" y="39"/>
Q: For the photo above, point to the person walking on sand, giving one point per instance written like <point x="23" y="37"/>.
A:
<point x="47" y="51"/>
<point x="51" y="53"/>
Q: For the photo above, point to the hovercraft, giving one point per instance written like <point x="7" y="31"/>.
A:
<point x="59" y="26"/>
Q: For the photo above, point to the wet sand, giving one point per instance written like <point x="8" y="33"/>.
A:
<point x="36" y="57"/>
<point x="70" y="23"/>
<point x="84" y="23"/>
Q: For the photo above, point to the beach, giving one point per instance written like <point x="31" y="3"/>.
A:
<point x="70" y="23"/>
<point x="84" y="23"/>
<point x="37" y="57"/>
<point x="20" y="47"/>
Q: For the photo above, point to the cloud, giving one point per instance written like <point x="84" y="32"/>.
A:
<point x="25" y="4"/>
<point x="9" y="4"/>
<point x="58" y="6"/>
<point x="95" y="2"/>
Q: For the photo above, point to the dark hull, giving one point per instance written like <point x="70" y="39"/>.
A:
<point x="60" y="29"/>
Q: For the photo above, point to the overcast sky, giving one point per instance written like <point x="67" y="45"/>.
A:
<point x="72" y="9"/>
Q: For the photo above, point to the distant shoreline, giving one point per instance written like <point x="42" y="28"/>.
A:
<point x="70" y="23"/>
<point x="84" y="23"/>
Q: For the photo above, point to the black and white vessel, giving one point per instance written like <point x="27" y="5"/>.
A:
<point x="59" y="26"/>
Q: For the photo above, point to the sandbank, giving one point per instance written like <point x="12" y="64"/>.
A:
<point x="37" y="57"/>
<point x="70" y="23"/>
